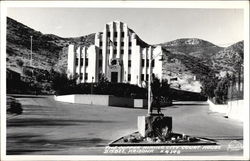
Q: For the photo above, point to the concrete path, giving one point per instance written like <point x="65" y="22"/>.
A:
<point x="49" y="127"/>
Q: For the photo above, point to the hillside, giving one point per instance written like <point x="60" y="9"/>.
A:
<point x="192" y="47"/>
<point x="187" y="60"/>
<point x="230" y="58"/>
<point x="49" y="51"/>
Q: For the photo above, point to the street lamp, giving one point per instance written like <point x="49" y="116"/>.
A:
<point x="31" y="50"/>
<point x="149" y="80"/>
<point x="92" y="86"/>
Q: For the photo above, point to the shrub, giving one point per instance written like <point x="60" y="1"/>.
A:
<point x="13" y="106"/>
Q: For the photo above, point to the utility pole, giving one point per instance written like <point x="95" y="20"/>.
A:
<point x="31" y="50"/>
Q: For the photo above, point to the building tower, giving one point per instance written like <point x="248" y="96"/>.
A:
<point x="118" y="54"/>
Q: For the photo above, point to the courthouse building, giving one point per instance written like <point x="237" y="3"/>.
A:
<point x="118" y="54"/>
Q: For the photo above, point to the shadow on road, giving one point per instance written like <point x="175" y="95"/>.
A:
<point x="189" y="104"/>
<point x="27" y="144"/>
<point x="25" y="122"/>
<point x="27" y="96"/>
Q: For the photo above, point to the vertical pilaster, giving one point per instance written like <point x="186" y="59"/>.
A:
<point x="71" y="60"/>
<point x="84" y="63"/>
<point x="118" y="49"/>
<point x="112" y="26"/>
<point x="104" y="51"/>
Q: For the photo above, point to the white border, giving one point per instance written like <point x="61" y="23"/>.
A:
<point x="123" y="4"/>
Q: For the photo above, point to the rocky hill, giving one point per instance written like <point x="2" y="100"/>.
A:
<point x="49" y="51"/>
<point x="185" y="59"/>
<point x="230" y="58"/>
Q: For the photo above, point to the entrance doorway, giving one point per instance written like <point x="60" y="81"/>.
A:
<point x="114" y="77"/>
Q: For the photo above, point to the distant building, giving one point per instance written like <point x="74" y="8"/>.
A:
<point x="118" y="54"/>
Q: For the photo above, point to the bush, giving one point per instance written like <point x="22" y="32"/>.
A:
<point x="13" y="106"/>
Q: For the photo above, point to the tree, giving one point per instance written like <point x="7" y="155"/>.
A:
<point x="62" y="84"/>
<point x="221" y="91"/>
<point x="161" y="92"/>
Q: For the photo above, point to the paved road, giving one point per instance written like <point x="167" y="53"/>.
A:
<point x="49" y="127"/>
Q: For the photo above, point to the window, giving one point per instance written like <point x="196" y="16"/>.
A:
<point x="129" y="51"/>
<point x="100" y="62"/>
<point x="129" y="77"/>
<point x="81" y="75"/>
<point x="86" y="76"/>
<point x="153" y="63"/>
<point x="115" y="34"/>
<point x="108" y="34"/>
<point x="86" y="62"/>
<point x="122" y="34"/>
<point x="142" y="77"/>
<point x="76" y="61"/>
<point x="143" y="62"/>
<point x="81" y="62"/>
<point x="129" y="63"/>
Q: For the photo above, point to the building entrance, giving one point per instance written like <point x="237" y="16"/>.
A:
<point x="114" y="77"/>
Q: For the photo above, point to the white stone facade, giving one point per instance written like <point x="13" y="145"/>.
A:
<point x="118" y="53"/>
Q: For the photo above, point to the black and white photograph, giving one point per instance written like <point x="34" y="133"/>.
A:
<point x="126" y="79"/>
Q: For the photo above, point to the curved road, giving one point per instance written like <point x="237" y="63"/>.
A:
<point x="49" y="127"/>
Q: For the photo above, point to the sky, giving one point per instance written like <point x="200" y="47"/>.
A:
<point x="222" y="27"/>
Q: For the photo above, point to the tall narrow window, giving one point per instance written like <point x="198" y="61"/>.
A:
<point x="115" y="34"/>
<point x="147" y="63"/>
<point x="142" y="77"/>
<point x="129" y="63"/>
<point x="86" y="76"/>
<point x="153" y="63"/>
<point x="129" y="51"/>
<point x="81" y="62"/>
<point x="81" y="75"/>
<point x="129" y="77"/>
<point x="108" y="34"/>
<point x="76" y="61"/>
<point x="143" y="62"/>
<point x="86" y="62"/>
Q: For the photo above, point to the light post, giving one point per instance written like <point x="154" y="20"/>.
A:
<point x="92" y="86"/>
<point x="31" y="50"/>
<point x="149" y="80"/>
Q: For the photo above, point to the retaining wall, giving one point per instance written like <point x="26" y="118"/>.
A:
<point x="234" y="109"/>
<point x="105" y="100"/>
